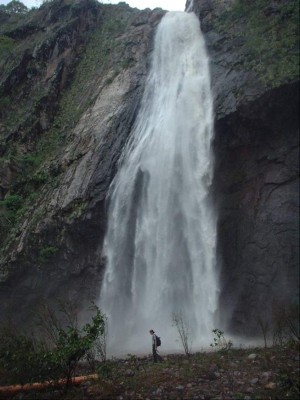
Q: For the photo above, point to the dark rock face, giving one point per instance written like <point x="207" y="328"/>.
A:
<point x="256" y="183"/>
<point x="56" y="253"/>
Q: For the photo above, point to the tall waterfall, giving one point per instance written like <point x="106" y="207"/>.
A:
<point x="160" y="244"/>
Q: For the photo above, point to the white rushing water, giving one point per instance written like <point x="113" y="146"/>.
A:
<point x="160" y="244"/>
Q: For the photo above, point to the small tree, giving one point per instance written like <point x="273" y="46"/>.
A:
<point x="220" y="342"/>
<point x="56" y="355"/>
<point x="15" y="7"/>
<point x="264" y="326"/>
<point x="98" y="350"/>
<point x="69" y="344"/>
<point x="184" y="331"/>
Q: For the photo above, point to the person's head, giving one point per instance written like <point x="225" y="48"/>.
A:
<point x="151" y="332"/>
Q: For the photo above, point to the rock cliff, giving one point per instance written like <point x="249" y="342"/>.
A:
<point x="71" y="81"/>
<point x="257" y="157"/>
<point x="70" y="97"/>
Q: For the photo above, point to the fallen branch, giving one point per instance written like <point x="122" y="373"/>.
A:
<point x="42" y="385"/>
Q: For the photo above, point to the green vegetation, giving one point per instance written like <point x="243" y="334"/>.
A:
<point x="220" y="342"/>
<point x="26" y="359"/>
<point x="75" y="210"/>
<point x="46" y="254"/>
<point x="104" y="52"/>
<point x="273" y="375"/>
<point x="10" y="210"/>
<point x="6" y="47"/>
<point x="14" y="7"/>
<point x="270" y="33"/>
<point x="271" y="372"/>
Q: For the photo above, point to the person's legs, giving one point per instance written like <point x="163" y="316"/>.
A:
<point x="160" y="359"/>
<point x="154" y="353"/>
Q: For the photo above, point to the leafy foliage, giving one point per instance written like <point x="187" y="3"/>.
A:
<point x="219" y="341"/>
<point x="6" y="47"/>
<point x="25" y="359"/>
<point x="47" y="253"/>
<point x="14" y="7"/>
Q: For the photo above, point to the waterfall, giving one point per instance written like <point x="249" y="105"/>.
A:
<point x="160" y="244"/>
<point x="190" y="6"/>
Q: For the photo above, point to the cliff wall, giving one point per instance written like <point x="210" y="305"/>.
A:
<point x="70" y="94"/>
<point x="71" y="80"/>
<point x="255" y="81"/>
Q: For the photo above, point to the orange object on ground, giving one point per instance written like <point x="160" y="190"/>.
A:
<point x="42" y="385"/>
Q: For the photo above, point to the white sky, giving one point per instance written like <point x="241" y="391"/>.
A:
<point x="171" y="5"/>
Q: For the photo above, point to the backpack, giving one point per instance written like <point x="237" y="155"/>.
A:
<point x="158" y="341"/>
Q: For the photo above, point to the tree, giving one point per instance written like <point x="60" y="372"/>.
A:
<point x="55" y="355"/>
<point x="184" y="331"/>
<point x="15" y="7"/>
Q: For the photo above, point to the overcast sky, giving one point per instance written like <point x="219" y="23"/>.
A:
<point x="172" y="5"/>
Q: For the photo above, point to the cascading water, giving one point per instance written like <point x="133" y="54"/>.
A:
<point x="190" y="6"/>
<point x="160" y="244"/>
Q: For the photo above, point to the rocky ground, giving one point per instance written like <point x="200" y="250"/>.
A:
<point x="247" y="374"/>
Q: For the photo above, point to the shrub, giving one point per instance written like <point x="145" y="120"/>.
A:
<point x="24" y="359"/>
<point x="46" y="253"/>
<point x="220" y="342"/>
<point x="13" y="202"/>
<point x="183" y="329"/>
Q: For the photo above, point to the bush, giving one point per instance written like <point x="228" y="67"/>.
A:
<point x="24" y="359"/>
<point x="13" y="202"/>
<point x="220" y="342"/>
<point x="16" y="352"/>
<point x="47" y="253"/>
<point x="184" y="331"/>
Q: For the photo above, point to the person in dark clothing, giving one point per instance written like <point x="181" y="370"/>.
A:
<point x="156" y="356"/>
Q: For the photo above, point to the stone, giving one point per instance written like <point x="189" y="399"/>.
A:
<point x="271" y="386"/>
<point x="266" y="375"/>
<point x="129" y="373"/>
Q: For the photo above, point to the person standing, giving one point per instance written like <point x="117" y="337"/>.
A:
<point x="156" y="356"/>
